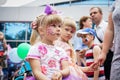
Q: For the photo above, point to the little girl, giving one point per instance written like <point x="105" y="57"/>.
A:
<point x="67" y="32"/>
<point x="92" y="54"/>
<point x="47" y="61"/>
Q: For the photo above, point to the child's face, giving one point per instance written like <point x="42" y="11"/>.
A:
<point x="67" y="33"/>
<point x="52" y="32"/>
<point x="86" y="38"/>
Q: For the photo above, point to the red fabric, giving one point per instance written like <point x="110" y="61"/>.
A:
<point x="1" y="53"/>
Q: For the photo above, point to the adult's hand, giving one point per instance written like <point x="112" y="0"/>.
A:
<point x="102" y="58"/>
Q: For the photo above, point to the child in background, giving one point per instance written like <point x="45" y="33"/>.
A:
<point x="92" y="53"/>
<point x="79" y="46"/>
<point x="67" y="31"/>
<point x="3" y="44"/>
<point x="24" y="72"/>
<point x="47" y="61"/>
<point x="3" y="48"/>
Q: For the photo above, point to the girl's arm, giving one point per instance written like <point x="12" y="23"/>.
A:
<point x="73" y="56"/>
<point x="35" y="65"/>
<point x="92" y="67"/>
<point x="96" y="53"/>
<point x="65" y="71"/>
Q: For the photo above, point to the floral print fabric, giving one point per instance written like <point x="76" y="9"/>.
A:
<point x="50" y="57"/>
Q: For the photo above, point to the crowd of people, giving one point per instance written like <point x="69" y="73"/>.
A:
<point x="53" y="56"/>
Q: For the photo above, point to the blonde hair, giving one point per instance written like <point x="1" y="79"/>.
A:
<point x="43" y="21"/>
<point x="67" y="21"/>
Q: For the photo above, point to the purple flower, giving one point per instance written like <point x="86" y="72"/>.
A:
<point x="51" y="10"/>
<point x="48" y="9"/>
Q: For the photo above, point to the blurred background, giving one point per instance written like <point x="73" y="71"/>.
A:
<point x="16" y="15"/>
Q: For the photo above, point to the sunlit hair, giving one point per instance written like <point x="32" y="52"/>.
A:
<point x="83" y="19"/>
<point x="50" y="19"/>
<point x="43" y="21"/>
<point x="69" y="22"/>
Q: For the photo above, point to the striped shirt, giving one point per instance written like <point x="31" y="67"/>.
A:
<point x="89" y="61"/>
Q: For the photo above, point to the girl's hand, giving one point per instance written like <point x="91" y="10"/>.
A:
<point x="57" y="76"/>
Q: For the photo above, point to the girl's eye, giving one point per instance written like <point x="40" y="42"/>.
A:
<point x="59" y="26"/>
<point x="72" y="31"/>
<point x="67" y="29"/>
<point x="53" y="25"/>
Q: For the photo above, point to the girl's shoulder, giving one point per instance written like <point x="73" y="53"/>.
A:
<point x="40" y="43"/>
<point x="62" y="44"/>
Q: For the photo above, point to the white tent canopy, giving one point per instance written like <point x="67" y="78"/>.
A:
<point x="28" y="3"/>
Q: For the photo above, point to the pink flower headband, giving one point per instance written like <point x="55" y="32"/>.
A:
<point x="48" y="10"/>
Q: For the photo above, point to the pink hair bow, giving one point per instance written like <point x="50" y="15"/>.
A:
<point x="34" y="24"/>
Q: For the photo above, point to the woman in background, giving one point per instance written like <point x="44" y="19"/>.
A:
<point x="112" y="33"/>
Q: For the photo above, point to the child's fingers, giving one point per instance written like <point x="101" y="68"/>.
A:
<point x="54" y="76"/>
<point x="95" y="66"/>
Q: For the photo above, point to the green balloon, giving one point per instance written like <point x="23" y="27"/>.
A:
<point x="22" y="50"/>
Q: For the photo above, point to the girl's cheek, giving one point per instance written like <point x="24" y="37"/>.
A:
<point x="50" y="31"/>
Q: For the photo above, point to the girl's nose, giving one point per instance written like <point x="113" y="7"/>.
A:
<point x="58" y="28"/>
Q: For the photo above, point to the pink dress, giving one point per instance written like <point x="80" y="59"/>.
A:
<point x="64" y="46"/>
<point x="75" y="72"/>
<point x="50" y="57"/>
